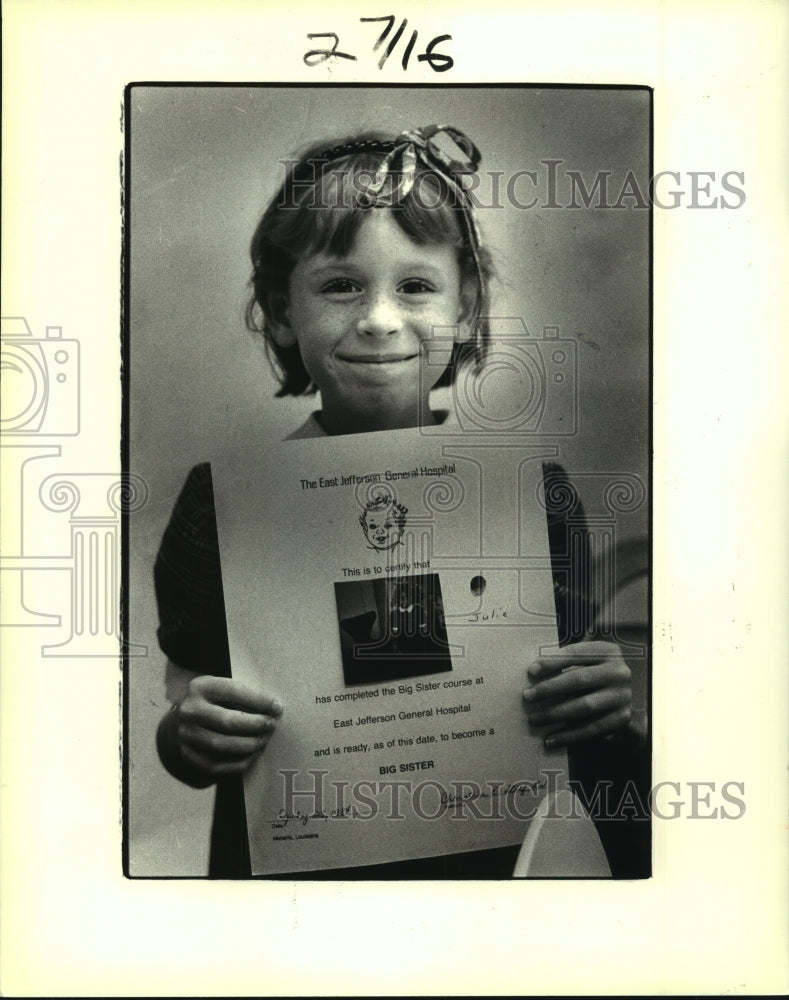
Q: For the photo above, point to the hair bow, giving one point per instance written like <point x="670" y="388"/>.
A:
<point x="441" y="148"/>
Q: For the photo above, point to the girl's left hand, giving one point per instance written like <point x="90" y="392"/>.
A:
<point x="582" y="691"/>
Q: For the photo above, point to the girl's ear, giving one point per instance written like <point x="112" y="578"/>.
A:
<point x="468" y="303"/>
<point x="279" y="321"/>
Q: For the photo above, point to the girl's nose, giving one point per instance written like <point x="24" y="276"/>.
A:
<point x="380" y="317"/>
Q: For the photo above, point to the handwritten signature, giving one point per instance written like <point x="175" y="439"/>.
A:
<point x="285" y="816"/>
<point x="473" y="793"/>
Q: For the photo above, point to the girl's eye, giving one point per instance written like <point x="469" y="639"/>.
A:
<point x="416" y="286"/>
<point x="340" y="286"/>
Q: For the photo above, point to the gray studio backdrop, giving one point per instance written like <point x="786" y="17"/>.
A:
<point x="204" y="162"/>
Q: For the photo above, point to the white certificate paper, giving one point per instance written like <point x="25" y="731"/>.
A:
<point x="390" y="589"/>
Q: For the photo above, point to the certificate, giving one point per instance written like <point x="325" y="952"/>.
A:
<point x="390" y="590"/>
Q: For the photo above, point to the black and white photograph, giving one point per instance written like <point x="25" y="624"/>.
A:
<point x="325" y="262"/>
<point x="392" y="628"/>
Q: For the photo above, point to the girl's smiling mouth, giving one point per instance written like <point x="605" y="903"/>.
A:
<point x="376" y="359"/>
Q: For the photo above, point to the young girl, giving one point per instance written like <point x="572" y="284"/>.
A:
<point x="367" y="253"/>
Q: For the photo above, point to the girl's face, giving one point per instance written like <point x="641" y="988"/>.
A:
<point x="363" y="323"/>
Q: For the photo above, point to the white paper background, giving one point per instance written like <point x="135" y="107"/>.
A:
<point x="713" y="918"/>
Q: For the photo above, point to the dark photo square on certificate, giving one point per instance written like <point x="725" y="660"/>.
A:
<point x="391" y="627"/>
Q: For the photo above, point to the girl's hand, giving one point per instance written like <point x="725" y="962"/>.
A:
<point x="218" y="727"/>
<point x="583" y="691"/>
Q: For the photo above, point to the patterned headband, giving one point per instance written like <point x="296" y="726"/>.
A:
<point x="440" y="149"/>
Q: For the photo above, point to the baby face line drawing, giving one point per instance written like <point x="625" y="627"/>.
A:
<point x="383" y="522"/>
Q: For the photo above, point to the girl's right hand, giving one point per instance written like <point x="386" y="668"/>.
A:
<point x="219" y="726"/>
